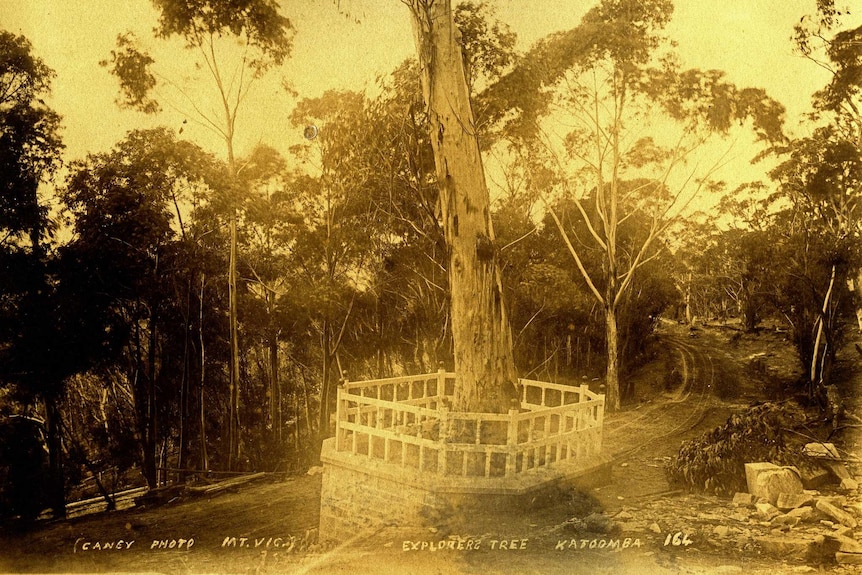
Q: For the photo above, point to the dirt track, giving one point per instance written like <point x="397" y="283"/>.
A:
<point x="642" y="439"/>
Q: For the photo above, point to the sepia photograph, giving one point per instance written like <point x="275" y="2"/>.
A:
<point x="433" y="287"/>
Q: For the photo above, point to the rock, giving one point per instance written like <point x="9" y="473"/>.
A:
<point x="788" y="520"/>
<point x="836" y="500"/>
<point x="848" y="544"/>
<point x="786" y="547"/>
<point x="766" y="511"/>
<point x="655" y="528"/>
<point x="744" y="499"/>
<point x="835" y="513"/>
<point x="827" y="523"/>
<point x="741" y="517"/>
<point x="838" y="469"/>
<point x="821" y="451"/>
<point x="753" y="470"/>
<point x="771" y="483"/>
<point x="848" y="558"/>
<point x="814" y="477"/>
<point x="623" y="516"/>
<point x="721" y="531"/>
<point x="788" y="501"/>
<point x="849" y="484"/>
<point x="824" y="549"/>
<point x="315" y="470"/>
<point x="803" y="513"/>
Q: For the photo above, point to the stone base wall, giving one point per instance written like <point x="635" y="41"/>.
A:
<point x="363" y="495"/>
<point x="352" y="501"/>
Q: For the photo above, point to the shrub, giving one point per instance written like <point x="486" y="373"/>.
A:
<point x="715" y="462"/>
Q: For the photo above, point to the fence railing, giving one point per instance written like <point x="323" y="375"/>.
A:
<point x="406" y="422"/>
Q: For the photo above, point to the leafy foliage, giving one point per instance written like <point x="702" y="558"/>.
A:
<point x="715" y="462"/>
<point x="133" y="69"/>
<point x="488" y="45"/>
<point x="130" y="268"/>
<point x="32" y="355"/>
<point x="259" y="21"/>
<point x="30" y="143"/>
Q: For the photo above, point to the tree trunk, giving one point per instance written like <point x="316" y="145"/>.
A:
<point x="56" y="479"/>
<point x="233" y="406"/>
<point x="688" y="315"/>
<point x="150" y="464"/>
<point x="325" y="387"/>
<point x="274" y="389"/>
<point x="204" y="463"/>
<point x="612" y="379"/>
<point x="184" y="383"/>
<point x="749" y="309"/>
<point x="486" y="380"/>
<point x="309" y="428"/>
<point x="815" y="381"/>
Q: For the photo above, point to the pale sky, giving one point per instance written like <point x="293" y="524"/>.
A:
<point x="748" y="39"/>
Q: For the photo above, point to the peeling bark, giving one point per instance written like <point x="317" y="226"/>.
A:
<point x="486" y="380"/>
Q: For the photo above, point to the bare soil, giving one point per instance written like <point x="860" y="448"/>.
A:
<point x="635" y="524"/>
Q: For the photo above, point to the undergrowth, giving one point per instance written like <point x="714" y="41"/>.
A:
<point x="715" y="462"/>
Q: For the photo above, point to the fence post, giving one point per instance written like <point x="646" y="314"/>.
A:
<point x="600" y="417"/>
<point x="583" y="413"/>
<point x="441" y="381"/>
<point x="442" y="436"/>
<point x="340" y="413"/>
<point x="512" y="443"/>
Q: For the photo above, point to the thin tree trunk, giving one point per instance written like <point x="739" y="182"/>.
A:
<point x="612" y="381"/>
<point x="308" y="425"/>
<point x="325" y="392"/>
<point x="486" y="380"/>
<point x="815" y="353"/>
<point x="184" y="382"/>
<point x="688" y="315"/>
<point x="204" y="463"/>
<point x="57" y="491"/>
<point x="233" y="407"/>
<point x="150" y="446"/>
<point x="274" y="389"/>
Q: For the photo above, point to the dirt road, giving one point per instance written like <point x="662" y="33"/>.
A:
<point x="640" y="440"/>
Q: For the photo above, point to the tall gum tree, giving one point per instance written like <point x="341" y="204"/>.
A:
<point x="265" y="39"/>
<point x="335" y="239"/>
<point x="609" y="80"/>
<point x="486" y="379"/>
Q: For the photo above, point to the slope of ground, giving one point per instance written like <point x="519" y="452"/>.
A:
<point x="635" y="524"/>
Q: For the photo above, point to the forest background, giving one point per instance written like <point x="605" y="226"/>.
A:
<point x="212" y="215"/>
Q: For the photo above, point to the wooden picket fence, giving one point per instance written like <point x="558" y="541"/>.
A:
<point x="406" y="422"/>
